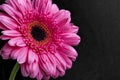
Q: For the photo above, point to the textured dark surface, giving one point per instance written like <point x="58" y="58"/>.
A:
<point x="38" y="33"/>
<point x="99" y="51"/>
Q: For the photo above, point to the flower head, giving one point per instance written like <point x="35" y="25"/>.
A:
<point x="40" y="37"/>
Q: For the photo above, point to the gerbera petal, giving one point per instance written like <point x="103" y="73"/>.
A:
<point x="16" y="42"/>
<point x="47" y="9"/>
<point x="24" y="71"/>
<point x="67" y="60"/>
<point x="69" y="51"/>
<point x="58" y="67"/>
<point x="74" y="28"/>
<point x="46" y="65"/>
<point x="26" y="4"/>
<point x="34" y="69"/>
<point x="11" y="3"/>
<point x="40" y="5"/>
<point x="2" y="27"/>
<point x="3" y="37"/>
<point x="69" y="28"/>
<point x="20" y="43"/>
<point x="62" y="17"/>
<point x="54" y="9"/>
<point x="15" y="53"/>
<point x="20" y="5"/>
<point x="60" y="71"/>
<point x="56" y="74"/>
<point x="6" y="51"/>
<point x="53" y="62"/>
<point x="39" y="76"/>
<point x="8" y="22"/>
<point x="23" y="55"/>
<point x="70" y="38"/>
<point x="11" y="33"/>
<point x="46" y="77"/>
<point x="32" y="56"/>
<point x="35" y="4"/>
<point x="61" y="60"/>
<point x="13" y="41"/>
<point x="11" y="11"/>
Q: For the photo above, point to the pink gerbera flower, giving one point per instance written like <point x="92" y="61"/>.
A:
<point x="40" y="37"/>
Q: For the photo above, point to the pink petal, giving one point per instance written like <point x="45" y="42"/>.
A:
<point x="32" y="56"/>
<point x="62" y="17"/>
<point x="70" y="38"/>
<point x="11" y="3"/>
<point x="61" y="60"/>
<point x="69" y="28"/>
<point x="43" y="6"/>
<point x="63" y="23"/>
<point x="20" y="5"/>
<point x="2" y="27"/>
<point x="7" y="48"/>
<point x="57" y="73"/>
<point x="34" y="69"/>
<point x="46" y="77"/>
<point x="5" y="55"/>
<point x="74" y="28"/>
<point x="24" y="71"/>
<point x="39" y="76"/>
<point x="15" y="53"/>
<point x="27" y="68"/>
<point x="3" y="37"/>
<point x="25" y="5"/>
<point x="67" y="60"/>
<point x="6" y="51"/>
<point x="54" y="9"/>
<point x="60" y="71"/>
<point x="23" y="55"/>
<point x="55" y="63"/>
<point x="46" y="65"/>
<point x="59" y="65"/>
<point x="16" y="42"/>
<point x="36" y="4"/>
<point x="11" y="33"/>
<point x="8" y="22"/>
<point x="40" y="5"/>
<point x="11" y="11"/>
<point x="47" y="9"/>
<point x="20" y="43"/>
<point x="69" y="51"/>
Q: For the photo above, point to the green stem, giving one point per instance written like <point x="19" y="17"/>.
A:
<point x="14" y="71"/>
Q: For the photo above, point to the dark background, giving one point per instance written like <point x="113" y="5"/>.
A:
<point x="99" y="50"/>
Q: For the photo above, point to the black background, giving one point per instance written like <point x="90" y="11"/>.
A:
<point x="99" y="50"/>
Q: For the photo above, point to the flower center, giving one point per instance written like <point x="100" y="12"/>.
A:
<point x="38" y="33"/>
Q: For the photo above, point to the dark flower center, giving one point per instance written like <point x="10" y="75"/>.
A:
<point x="38" y="33"/>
